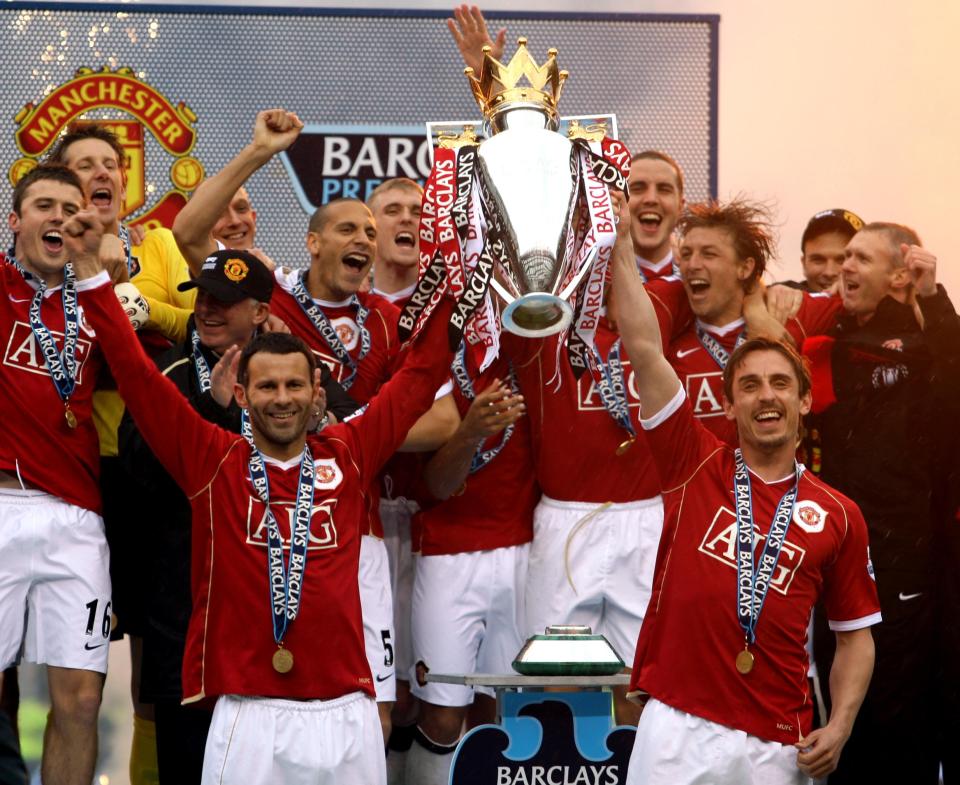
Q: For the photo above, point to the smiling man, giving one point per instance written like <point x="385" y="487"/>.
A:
<point x="276" y="633"/>
<point x="656" y="199"/>
<point x="353" y="332"/>
<point x="232" y="305"/>
<point x="724" y="249"/>
<point x="887" y="377"/>
<point x="750" y="541"/>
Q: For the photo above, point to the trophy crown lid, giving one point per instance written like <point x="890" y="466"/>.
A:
<point x="522" y="81"/>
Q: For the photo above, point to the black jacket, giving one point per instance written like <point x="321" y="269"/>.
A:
<point x="164" y="514"/>
<point x="883" y="441"/>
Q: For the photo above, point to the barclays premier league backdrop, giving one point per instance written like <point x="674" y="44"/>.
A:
<point x="181" y="86"/>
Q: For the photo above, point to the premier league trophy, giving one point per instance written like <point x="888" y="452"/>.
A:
<point x="526" y="212"/>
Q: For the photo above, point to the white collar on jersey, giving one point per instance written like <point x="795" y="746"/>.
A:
<point x="656" y="267"/>
<point x="394" y="296"/>
<point x="782" y="479"/>
<point x="722" y="329"/>
<point x="287" y="278"/>
<point x="289" y="464"/>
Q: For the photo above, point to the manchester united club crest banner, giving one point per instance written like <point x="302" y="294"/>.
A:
<point x="180" y="85"/>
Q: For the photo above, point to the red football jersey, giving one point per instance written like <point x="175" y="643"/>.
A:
<point x="650" y="271"/>
<point x="375" y="368"/>
<point x="691" y="635"/>
<point x="575" y="439"/>
<point x="702" y="377"/>
<point x="381" y="322"/>
<point x="230" y="639"/>
<point x="495" y="508"/>
<point x="35" y="438"/>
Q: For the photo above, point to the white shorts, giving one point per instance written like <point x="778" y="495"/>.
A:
<point x="54" y="582"/>
<point x="395" y="515"/>
<point x="679" y="748"/>
<point x="467" y="612"/>
<point x="264" y="741"/>
<point x="591" y="564"/>
<point x="376" y="604"/>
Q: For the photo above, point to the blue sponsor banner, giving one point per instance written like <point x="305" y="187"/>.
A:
<point x="547" y="738"/>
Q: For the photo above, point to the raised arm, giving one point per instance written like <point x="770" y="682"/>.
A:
<point x="274" y="130"/>
<point x="470" y="34"/>
<point x="188" y="447"/>
<point x="657" y="382"/>
<point x="409" y="393"/>
<point x="491" y="411"/>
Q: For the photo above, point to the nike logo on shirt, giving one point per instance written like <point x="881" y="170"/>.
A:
<point x="905" y="597"/>
<point x="685" y="352"/>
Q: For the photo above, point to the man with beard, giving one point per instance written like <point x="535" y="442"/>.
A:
<point x="232" y="305"/>
<point x="738" y="710"/>
<point x="351" y="331"/>
<point x="286" y="710"/>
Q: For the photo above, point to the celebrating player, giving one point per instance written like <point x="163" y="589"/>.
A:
<point x="254" y="501"/>
<point x="353" y="332"/>
<point x="724" y="249"/>
<point x="750" y="541"/>
<point x="231" y="308"/>
<point x="55" y="596"/>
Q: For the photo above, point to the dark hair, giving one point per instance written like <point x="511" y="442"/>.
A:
<point x="763" y="343"/>
<point x="895" y="234"/>
<point x="320" y="217"/>
<point x="78" y="133"/>
<point x="54" y="172"/>
<point x="657" y="155"/>
<point x="274" y="343"/>
<point x="749" y="224"/>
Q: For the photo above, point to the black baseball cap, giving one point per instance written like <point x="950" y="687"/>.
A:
<point x="836" y="220"/>
<point x="231" y="275"/>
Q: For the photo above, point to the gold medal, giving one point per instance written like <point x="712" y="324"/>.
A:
<point x="624" y="446"/>
<point x="744" y="662"/>
<point x="282" y="660"/>
<point x="70" y="417"/>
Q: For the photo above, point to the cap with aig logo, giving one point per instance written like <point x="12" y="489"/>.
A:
<point x="233" y="275"/>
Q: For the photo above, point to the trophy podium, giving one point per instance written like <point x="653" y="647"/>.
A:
<point x="562" y="735"/>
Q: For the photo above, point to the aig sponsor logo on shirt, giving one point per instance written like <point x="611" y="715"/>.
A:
<point x="22" y="351"/>
<point x="704" y="391"/>
<point x="323" y="531"/>
<point x="588" y="396"/>
<point x="720" y="543"/>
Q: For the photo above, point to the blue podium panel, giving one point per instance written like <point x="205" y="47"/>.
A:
<point x="546" y="738"/>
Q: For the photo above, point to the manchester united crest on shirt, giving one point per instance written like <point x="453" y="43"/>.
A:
<point x="347" y="332"/>
<point x="328" y="474"/>
<point x="809" y="516"/>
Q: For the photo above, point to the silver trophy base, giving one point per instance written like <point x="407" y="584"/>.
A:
<point x="537" y="315"/>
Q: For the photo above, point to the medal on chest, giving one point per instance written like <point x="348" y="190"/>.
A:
<point x="285" y="581"/>
<point x="753" y="581"/>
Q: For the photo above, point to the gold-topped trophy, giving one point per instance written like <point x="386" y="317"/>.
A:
<point x="525" y="211"/>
